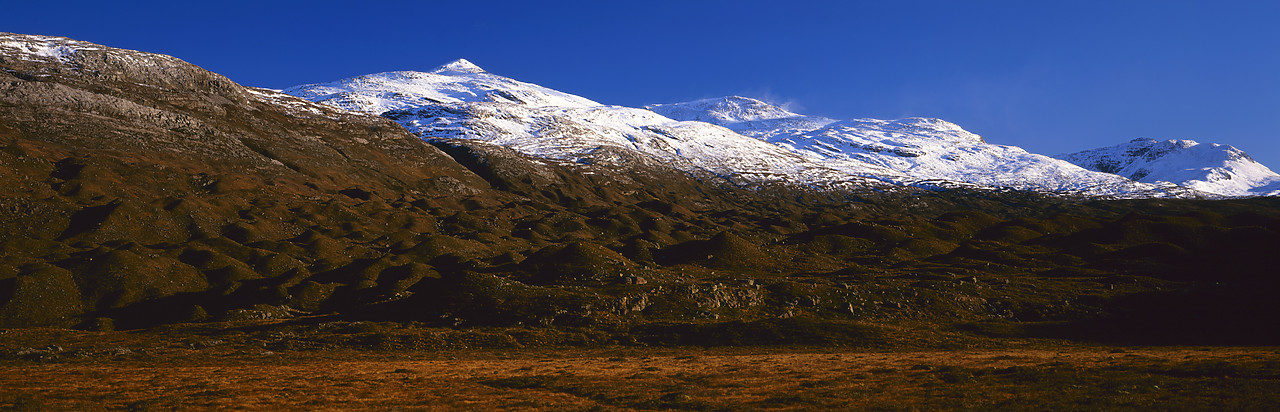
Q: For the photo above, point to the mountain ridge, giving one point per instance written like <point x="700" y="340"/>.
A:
<point x="567" y="127"/>
<point x="454" y="82"/>
<point x="1209" y="167"/>
<point x="719" y="136"/>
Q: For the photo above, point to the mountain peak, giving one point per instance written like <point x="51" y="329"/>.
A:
<point x="455" y="82"/>
<point x="459" y="66"/>
<point x="738" y="108"/>
<point x="724" y="111"/>
<point x="1208" y="167"/>
<point x="738" y="100"/>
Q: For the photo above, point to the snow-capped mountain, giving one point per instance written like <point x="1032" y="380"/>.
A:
<point x="925" y="149"/>
<point x="741" y="139"/>
<point x="461" y="101"/>
<point x="740" y="114"/>
<point x="1207" y="167"/>
<point x="456" y="82"/>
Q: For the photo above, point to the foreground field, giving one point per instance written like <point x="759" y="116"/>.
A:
<point x="1045" y="377"/>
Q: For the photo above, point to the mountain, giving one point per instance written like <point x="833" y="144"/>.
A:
<point x="924" y="149"/>
<point x="745" y="141"/>
<point x="88" y="98"/>
<point x="458" y="81"/>
<point x="478" y="106"/>
<point x="138" y="187"/>
<point x="138" y="190"/>
<point x="740" y="114"/>
<point x="1208" y="167"/>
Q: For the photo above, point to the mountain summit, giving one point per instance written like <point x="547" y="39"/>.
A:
<point x="457" y="67"/>
<point x="724" y="111"/>
<point x="740" y="114"/>
<point x="1208" y="167"/>
<point x="457" y="81"/>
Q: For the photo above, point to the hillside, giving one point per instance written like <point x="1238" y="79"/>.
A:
<point x="141" y="192"/>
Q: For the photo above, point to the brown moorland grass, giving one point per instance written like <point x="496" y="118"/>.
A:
<point x="1047" y="377"/>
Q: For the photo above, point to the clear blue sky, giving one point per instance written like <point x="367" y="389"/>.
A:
<point x="1050" y="76"/>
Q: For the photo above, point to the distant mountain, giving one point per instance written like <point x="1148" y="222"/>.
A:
<point x="924" y="149"/>
<point x="744" y="140"/>
<point x="740" y="114"/>
<point x="456" y="82"/>
<point x="475" y="105"/>
<point x="1207" y="167"/>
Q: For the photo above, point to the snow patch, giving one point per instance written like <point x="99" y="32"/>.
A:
<point x="41" y="48"/>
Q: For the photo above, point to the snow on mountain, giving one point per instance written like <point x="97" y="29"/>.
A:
<point x="46" y="56"/>
<point x="744" y="140"/>
<point x="461" y="101"/>
<point x="921" y="148"/>
<point x="1208" y="167"/>
<point x="459" y="81"/>
<point x="741" y="139"/>
<point x="740" y="114"/>
<point x="724" y="111"/>
<point x="41" y="48"/>
<point x="584" y="134"/>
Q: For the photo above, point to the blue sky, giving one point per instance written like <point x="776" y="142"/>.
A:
<point x="1050" y="76"/>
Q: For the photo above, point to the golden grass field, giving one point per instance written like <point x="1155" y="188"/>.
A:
<point x="619" y="378"/>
